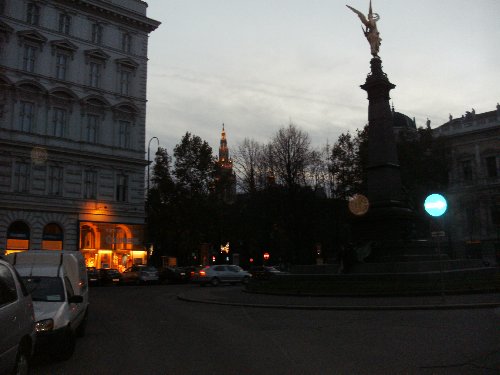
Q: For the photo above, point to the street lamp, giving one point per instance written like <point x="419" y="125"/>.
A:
<point x="149" y="144"/>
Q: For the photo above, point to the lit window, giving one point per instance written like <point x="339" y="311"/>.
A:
<point x="61" y="65"/>
<point x="22" y="177"/>
<point x="52" y="237"/>
<point x="92" y="128"/>
<point x="26" y="116"/>
<point x="90" y="185"/>
<point x="124" y="134"/>
<point x="33" y="14"/>
<point x="18" y="236"/>
<point x="64" y="23"/>
<point x="29" y="58"/>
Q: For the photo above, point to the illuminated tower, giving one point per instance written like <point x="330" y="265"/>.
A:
<point x="225" y="180"/>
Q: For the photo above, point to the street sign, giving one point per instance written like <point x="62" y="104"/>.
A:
<point x="435" y="205"/>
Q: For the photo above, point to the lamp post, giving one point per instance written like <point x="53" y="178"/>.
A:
<point x="149" y="162"/>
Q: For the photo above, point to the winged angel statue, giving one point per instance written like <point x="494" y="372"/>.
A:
<point x="371" y="32"/>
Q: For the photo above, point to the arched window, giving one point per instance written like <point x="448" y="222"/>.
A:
<point x="52" y="238"/>
<point x="18" y="237"/>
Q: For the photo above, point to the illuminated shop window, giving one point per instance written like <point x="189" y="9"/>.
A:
<point x="52" y="237"/>
<point x="18" y="237"/>
<point x="87" y="237"/>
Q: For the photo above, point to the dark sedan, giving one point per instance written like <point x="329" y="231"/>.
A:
<point x="109" y="276"/>
<point x="174" y="275"/>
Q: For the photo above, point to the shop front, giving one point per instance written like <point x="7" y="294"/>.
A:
<point x="112" y="245"/>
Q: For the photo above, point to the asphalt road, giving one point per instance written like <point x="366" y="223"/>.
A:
<point x="147" y="330"/>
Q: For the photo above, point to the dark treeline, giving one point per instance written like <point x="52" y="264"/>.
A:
<point x="291" y="201"/>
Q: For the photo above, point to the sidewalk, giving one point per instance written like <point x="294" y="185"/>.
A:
<point x="237" y="296"/>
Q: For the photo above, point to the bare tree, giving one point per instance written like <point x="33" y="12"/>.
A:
<point x="291" y="156"/>
<point x="246" y="162"/>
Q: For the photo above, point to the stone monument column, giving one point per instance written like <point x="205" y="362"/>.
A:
<point x="384" y="187"/>
<point x="389" y="219"/>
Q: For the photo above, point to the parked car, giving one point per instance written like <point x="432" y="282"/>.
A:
<point x="109" y="276"/>
<point x="93" y="276"/>
<point x="59" y="289"/>
<point x="17" y="322"/>
<point x="174" y="275"/>
<point x="140" y="274"/>
<point x="264" y="272"/>
<point x="221" y="273"/>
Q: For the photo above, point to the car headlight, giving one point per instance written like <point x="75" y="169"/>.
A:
<point x="44" y="325"/>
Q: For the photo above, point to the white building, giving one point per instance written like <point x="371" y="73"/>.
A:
<point x="473" y="193"/>
<point x="73" y="80"/>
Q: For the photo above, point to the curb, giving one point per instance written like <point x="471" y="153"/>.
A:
<point x="344" y="308"/>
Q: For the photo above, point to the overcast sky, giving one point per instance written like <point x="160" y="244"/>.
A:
<point x="256" y="65"/>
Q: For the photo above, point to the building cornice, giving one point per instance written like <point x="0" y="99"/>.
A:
<point x="115" y="13"/>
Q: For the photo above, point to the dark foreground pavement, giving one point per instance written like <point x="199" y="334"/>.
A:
<point x="488" y="363"/>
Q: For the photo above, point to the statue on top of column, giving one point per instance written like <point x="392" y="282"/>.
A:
<point x="371" y="32"/>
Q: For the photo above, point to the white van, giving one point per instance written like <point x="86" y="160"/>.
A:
<point x="59" y="289"/>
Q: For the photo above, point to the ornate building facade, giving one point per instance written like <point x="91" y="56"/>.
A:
<point x="473" y="217"/>
<point x="225" y="179"/>
<point x="73" y="80"/>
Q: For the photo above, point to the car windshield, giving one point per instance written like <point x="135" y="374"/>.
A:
<point x="45" y="289"/>
<point x="234" y="268"/>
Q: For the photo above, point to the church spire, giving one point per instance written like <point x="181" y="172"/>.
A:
<point x="224" y="151"/>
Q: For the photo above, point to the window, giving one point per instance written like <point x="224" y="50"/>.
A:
<point x="26" y="116"/>
<point x="58" y="122"/>
<point x="126" y="42"/>
<point x="90" y="185"/>
<point x="29" y="58"/>
<point x="64" y="23"/>
<point x="56" y="180"/>
<point x="22" y="177"/>
<point x="491" y="166"/>
<point x="61" y="65"/>
<point x="121" y="188"/>
<point x="87" y="237"/>
<point x="33" y="14"/>
<point x="92" y="128"/>
<point x="95" y="74"/>
<point x="52" y="237"/>
<point x="124" y="134"/>
<point x="97" y="31"/>
<point x="18" y="236"/>
<point x="466" y="170"/>
<point x="125" y="79"/>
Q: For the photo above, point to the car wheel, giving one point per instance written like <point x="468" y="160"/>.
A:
<point x="22" y="363"/>
<point x="68" y="347"/>
<point x="215" y="281"/>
